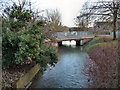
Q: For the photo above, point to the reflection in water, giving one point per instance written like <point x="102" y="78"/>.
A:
<point x="67" y="73"/>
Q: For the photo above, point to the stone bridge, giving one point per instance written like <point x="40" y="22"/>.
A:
<point x="78" y="36"/>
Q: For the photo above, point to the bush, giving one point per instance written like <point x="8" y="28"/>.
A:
<point x="47" y="56"/>
<point x="23" y="38"/>
<point x="26" y="45"/>
<point x="9" y="47"/>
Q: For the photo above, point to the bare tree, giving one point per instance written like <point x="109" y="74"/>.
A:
<point x="53" y="21"/>
<point x="83" y="19"/>
<point x="53" y="16"/>
<point x="102" y="10"/>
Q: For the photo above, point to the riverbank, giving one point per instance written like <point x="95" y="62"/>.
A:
<point x="104" y="53"/>
<point x="12" y="75"/>
<point x="97" y="40"/>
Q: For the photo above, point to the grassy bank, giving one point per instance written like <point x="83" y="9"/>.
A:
<point x="104" y="56"/>
<point x="97" y="41"/>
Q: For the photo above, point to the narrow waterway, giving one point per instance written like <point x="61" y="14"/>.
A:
<point x="69" y="72"/>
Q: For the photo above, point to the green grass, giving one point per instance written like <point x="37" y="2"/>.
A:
<point x="92" y="43"/>
<point x="97" y="41"/>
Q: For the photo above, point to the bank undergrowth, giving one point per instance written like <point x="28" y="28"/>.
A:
<point x="103" y="69"/>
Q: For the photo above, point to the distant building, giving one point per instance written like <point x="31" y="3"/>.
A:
<point x="77" y="29"/>
<point x="104" y="27"/>
<point x="117" y="33"/>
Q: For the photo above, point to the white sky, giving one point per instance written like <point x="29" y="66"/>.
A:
<point x="69" y="9"/>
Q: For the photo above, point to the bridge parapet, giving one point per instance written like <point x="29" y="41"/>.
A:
<point x="73" y="35"/>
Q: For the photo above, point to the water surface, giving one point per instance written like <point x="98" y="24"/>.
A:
<point x="69" y="72"/>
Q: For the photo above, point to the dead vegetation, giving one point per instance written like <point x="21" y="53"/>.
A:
<point x="103" y="70"/>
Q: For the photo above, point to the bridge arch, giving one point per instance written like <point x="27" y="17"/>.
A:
<point x="77" y="42"/>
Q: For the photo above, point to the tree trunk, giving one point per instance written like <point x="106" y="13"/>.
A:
<point x="114" y="21"/>
<point x="114" y="30"/>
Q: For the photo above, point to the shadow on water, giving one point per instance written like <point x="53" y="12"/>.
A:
<point x="68" y="72"/>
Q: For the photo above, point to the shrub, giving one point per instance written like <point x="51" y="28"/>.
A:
<point x="26" y="45"/>
<point x="47" y="56"/>
<point x="23" y="38"/>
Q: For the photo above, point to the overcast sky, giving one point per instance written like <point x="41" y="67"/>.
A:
<point x="69" y="9"/>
